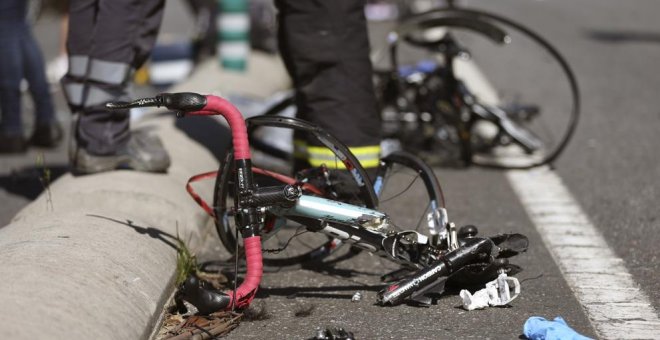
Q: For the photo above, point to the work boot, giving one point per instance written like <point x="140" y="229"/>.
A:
<point x="47" y="135"/>
<point x="143" y="152"/>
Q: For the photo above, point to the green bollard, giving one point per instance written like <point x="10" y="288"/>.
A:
<point x="233" y="27"/>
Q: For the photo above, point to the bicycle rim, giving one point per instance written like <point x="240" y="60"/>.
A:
<point x="288" y="245"/>
<point x="562" y="122"/>
<point x="490" y="146"/>
<point x="409" y="193"/>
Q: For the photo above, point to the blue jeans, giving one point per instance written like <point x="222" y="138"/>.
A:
<point x="20" y="58"/>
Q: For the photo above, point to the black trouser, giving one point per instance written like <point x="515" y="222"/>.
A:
<point x="108" y="40"/>
<point x="325" y="47"/>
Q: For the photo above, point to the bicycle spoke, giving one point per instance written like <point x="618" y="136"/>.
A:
<point x="403" y="191"/>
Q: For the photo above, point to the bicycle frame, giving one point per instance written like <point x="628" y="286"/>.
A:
<point x="364" y="227"/>
<point x="468" y="110"/>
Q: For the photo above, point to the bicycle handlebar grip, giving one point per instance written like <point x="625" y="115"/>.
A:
<point x="183" y="101"/>
<point x="247" y="290"/>
<point x="197" y="104"/>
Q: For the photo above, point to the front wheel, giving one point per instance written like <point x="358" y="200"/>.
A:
<point x="411" y="195"/>
<point x="288" y="244"/>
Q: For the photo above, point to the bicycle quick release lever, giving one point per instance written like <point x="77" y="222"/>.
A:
<point x="181" y="102"/>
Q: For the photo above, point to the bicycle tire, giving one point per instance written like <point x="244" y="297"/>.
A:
<point x="323" y="247"/>
<point x="258" y="144"/>
<point x="451" y="16"/>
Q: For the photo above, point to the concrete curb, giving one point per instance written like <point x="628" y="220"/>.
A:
<point x="94" y="256"/>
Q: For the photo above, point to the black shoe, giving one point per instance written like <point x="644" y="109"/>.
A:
<point x="48" y="135"/>
<point x="12" y="143"/>
<point x="144" y="152"/>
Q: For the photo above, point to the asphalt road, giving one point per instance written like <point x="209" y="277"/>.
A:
<point x="612" y="163"/>
<point x="611" y="168"/>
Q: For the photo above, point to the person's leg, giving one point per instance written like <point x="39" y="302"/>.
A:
<point x="151" y="19"/>
<point x="82" y="14"/>
<point x="47" y="131"/>
<point x="34" y="73"/>
<point x="122" y="34"/>
<point x="11" y="65"/>
<point x="205" y="26"/>
<point x="100" y="131"/>
<point x="326" y="50"/>
<point x="12" y="25"/>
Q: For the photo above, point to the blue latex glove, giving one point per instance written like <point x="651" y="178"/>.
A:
<point x="538" y="328"/>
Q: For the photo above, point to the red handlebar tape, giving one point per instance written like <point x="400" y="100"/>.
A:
<point x="255" y="270"/>
<point x="216" y="105"/>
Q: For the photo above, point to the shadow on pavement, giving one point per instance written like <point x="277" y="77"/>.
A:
<point x="208" y="132"/>
<point x="31" y="181"/>
<point x="617" y="37"/>
<point x="158" y="234"/>
<point x="327" y="292"/>
<point x="227" y="267"/>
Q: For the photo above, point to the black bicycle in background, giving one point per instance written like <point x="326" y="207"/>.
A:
<point x="443" y="105"/>
<point x="445" y="108"/>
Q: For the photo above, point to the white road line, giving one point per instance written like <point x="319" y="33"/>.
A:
<point x="613" y="301"/>
<point x="616" y="306"/>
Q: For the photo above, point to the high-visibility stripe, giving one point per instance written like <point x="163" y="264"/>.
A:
<point x="368" y="156"/>
<point x="78" y="65"/>
<point x="108" y="72"/>
<point x="96" y="96"/>
<point x="73" y="93"/>
<point x="339" y="165"/>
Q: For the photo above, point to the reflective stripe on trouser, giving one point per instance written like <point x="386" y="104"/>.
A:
<point x="98" y="130"/>
<point x="368" y="156"/>
<point x="106" y="41"/>
<point x="91" y="82"/>
<point x="325" y="48"/>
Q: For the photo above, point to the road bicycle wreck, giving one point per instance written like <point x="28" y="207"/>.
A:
<point x="439" y="254"/>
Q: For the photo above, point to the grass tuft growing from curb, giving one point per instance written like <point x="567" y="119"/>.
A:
<point x="45" y="179"/>
<point x="186" y="261"/>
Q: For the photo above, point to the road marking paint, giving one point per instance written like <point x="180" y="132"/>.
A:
<point x="613" y="301"/>
<point x="616" y="306"/>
